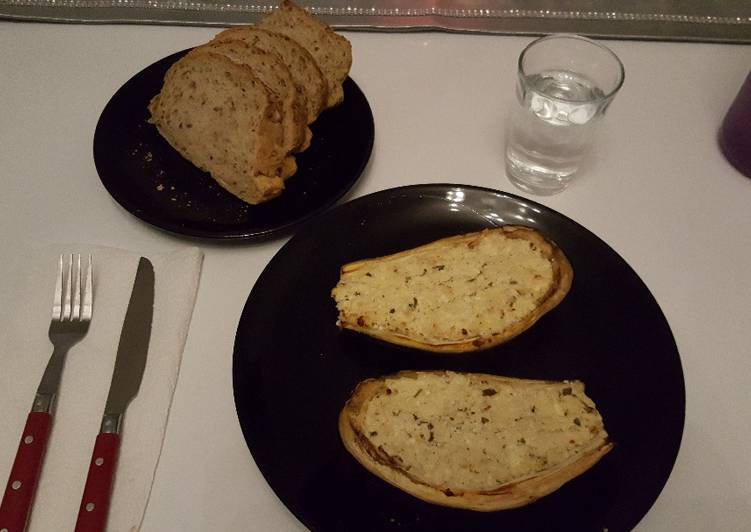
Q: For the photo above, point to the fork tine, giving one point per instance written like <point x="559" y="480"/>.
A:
<point x="57" y="303"/>
<point x="88" y="293"/>
<point x="76" y="288"/>
<point x="67" y="288"/>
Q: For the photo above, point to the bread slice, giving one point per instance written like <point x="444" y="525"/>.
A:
<point x="308" y="79"/>
<point x="458" y="294"/>
<point x="221" y="117"/>
<point x="473" y="441"/>
<point x="332" y="52"/>
<point x="271" y="71"/>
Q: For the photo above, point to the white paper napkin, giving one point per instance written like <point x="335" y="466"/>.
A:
<point x="25" y="349"/>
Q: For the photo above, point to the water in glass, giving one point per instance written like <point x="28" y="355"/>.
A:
<point x="551" y="130"/>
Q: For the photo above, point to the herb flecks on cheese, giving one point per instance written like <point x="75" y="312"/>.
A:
<point x="450" y="431"/>
<point x="475" y="288"/>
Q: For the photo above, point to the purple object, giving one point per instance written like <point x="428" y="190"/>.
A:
<point x="735" y="133"/>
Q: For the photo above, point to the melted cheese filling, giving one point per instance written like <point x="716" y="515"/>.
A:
<point x="450" y="294"/>
<point x="450" y="433"/>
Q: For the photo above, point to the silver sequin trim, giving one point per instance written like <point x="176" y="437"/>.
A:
<point x="389" y="12"/>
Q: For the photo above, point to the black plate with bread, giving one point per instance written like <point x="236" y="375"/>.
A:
<point x="152" y="181"/>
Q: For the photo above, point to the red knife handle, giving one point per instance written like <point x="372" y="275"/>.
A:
<point x="22" y="482"/>
<point x="95" y="503"/>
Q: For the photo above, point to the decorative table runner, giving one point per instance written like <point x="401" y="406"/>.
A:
<point x="694" y="20"/>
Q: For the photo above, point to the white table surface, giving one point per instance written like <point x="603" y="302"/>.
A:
<point x="658" y="191"/>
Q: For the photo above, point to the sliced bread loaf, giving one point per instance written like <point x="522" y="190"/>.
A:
<point x="309" y="80"/>
<point x="473" y="441"/>
<point x="271" y="71"/>
<point x="332" y="52"/>
<point x="457" y="294"/>
<point x="217" y="114"/>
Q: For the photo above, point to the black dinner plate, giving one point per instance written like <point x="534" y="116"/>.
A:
<point x="293" y="369"/>
<point x="147" y="177"/>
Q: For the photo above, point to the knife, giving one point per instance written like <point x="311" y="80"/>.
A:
<point x="126" y="380"/>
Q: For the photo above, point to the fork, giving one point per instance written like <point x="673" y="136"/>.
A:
<point x="71" y="314"/>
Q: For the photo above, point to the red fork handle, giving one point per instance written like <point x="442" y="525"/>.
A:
<point x="24" y="475"/>
<point x="95" y="503"/>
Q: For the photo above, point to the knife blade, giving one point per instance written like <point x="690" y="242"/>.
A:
<point x="127" y="374"/>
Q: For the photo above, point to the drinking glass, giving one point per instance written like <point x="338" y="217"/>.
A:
<point x="565" y="84"/>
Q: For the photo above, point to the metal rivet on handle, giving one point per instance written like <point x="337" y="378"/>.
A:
<point x="27" y="440"/>
<point x="99" y="461"/>
<point x="89" y="506"/>
<point x="16" y="484"/>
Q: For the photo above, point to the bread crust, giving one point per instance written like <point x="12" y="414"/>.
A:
<point x="331" y="51"/>
<point x="309" y="79"/>
<point x="269" y="68"/>
<point x="514" y="494"/>
<point x="563" y="275"/>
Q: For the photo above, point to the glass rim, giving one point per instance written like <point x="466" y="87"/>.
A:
<point x="576" y="37"/>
